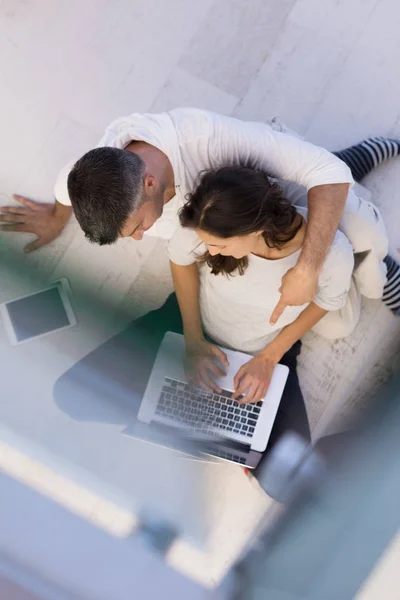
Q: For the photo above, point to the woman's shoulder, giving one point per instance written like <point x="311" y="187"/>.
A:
<point x="339" y="263"/>
<point x="184" y="246"/>
<point x="341" y="247"/>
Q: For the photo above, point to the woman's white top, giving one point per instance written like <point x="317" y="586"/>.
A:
<point x="235" y="310"/>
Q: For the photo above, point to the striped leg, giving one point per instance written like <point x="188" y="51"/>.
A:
<point x="391" y="292"/>
<point x="364" y="157"/>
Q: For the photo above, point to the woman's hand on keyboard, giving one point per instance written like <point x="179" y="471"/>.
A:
<point x="201" y="364"/>
<point x="253" y="379"/>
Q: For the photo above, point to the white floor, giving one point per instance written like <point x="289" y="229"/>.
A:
<point x="327" y="69"/>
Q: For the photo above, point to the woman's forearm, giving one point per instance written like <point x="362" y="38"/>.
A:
<point x="293" y="332"/>
<point x="186" y="283"/>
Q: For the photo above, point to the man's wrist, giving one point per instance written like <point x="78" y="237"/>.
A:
<point x="61" y="213"/>
<point x="307" y="267"/>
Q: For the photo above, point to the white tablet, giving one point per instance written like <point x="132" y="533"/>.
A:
<point x="38" y="314"/>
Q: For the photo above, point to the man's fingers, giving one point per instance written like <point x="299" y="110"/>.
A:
<point x="220" y="354"/>
<point x="16" y="227"/>
<point x="34" y="245"/>
<point x="278" y="310"/>
<point x="12" y="218"/>
<point x="15" y="210"/>
<point x="25" y="201"/>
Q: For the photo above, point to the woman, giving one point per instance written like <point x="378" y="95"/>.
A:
<point x="239" y="237"/>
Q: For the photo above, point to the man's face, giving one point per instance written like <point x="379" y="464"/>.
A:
<point x="151" y="208"/>
<point x="142" y="219"/>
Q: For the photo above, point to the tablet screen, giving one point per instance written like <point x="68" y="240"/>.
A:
<point x="37" y="314"/>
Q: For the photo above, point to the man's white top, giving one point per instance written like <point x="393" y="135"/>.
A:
<point x="195" y="140"/>
<point x="235" y="310"/>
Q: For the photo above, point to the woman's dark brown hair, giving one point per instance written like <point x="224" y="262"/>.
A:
<point x="236" y="201"/>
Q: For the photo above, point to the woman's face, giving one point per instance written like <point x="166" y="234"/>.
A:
<point x="238" y="246"/>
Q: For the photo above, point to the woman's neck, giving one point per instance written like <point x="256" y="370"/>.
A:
<point x="287" y="249"/>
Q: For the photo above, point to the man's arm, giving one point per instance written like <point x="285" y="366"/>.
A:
<point x="325" y="208"/>
<point x="326" y="178"/>
<point x="235" y="142"/>
<point x="45" y="220"/>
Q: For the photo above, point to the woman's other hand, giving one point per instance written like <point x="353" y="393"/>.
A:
<point x="201" y="364"/>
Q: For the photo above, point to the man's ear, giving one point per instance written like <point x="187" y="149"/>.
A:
<point x="150" y="184"/>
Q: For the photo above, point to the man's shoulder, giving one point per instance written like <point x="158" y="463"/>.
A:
<point x="192" y="114"/>
<point x="191" y="123"/>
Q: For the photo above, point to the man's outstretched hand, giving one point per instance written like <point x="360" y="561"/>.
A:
<point x="299" y="286"/>
<point x="45" y="220"/>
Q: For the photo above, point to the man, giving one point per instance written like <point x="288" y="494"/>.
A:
<point x="138" y="177"/>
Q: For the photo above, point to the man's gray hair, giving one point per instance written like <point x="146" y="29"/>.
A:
<point x="105" y="187"/>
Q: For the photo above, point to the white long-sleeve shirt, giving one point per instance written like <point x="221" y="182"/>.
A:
<point x="195" y="140"/>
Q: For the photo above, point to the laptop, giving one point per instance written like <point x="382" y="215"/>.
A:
<point x="214" y="424"/>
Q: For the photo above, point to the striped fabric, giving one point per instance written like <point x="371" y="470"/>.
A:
<point x="362" y="159"/>
<point x="391" y="292"/>
<point x="367" y="155"/>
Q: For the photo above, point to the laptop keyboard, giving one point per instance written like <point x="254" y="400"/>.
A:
<point x="196" y="408"/>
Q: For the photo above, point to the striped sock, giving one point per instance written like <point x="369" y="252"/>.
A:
<point x="367" y="155"/>
<point x="391" y="291"/>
